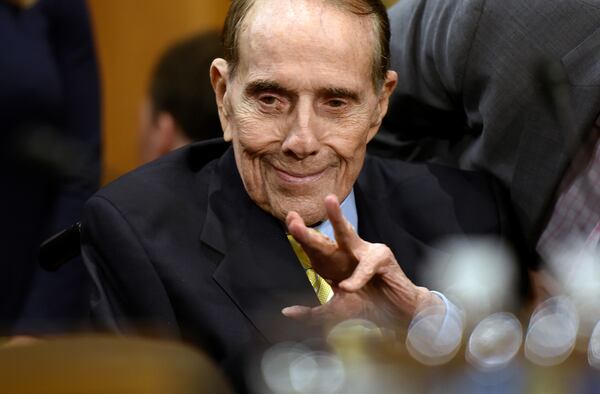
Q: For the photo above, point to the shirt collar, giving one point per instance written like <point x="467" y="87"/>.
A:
<point x="348" y="207"/>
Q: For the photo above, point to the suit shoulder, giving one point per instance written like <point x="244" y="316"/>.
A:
<point x="435" y="199"/>
<point x="392" y="173"/>
<point x="174" y="178"/>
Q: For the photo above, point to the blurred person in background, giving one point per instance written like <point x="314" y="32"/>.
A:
<point x="180" y="105"/>
<point x="511" y="88"/>
<point x="49" y="161"/>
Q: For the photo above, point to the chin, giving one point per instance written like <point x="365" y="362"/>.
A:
<point x="312" y="218"/>
<point x="310" y="214"/>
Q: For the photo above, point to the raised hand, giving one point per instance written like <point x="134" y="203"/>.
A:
<point x="366" y="278"/>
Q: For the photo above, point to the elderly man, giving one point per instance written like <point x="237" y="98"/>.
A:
<point x="211" y="242"/>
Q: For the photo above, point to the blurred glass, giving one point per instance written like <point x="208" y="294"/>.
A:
<point x="552" y="332"/>
<point x="292" y="368"/>
<point x="495" y="341"/>
<point x="594" y="347"/>
<point x="576" y="266"/>
<point x="434" y="336"/>
<point x="317" y="372"/>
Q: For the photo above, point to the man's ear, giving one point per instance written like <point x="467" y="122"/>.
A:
<point x="219" y="78"/>
<point x="391" y="79"/>
<point x="166" y="133"/>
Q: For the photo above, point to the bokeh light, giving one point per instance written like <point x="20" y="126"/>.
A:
<point x="495" y="341"/>
<point x="552" y="332"/>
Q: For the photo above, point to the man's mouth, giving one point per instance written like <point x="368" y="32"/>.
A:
<point x="294" y="177"/>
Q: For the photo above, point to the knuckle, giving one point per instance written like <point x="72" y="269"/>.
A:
<point x="383" y="253"/>
<point x="368" y="270"/>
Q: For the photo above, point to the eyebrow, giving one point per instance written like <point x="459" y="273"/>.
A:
<point x="261" y="86"/>
<point x="339" y="93"/>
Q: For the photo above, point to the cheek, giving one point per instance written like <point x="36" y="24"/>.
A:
<point x="256" y="134"/>
<point x="353" y="165"/>
<point x="249" y="167"/>
<point x="254" y="137"/>
<point x="348" y="138"/>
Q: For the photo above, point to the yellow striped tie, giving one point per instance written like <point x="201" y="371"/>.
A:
<point x="320" y="285"/>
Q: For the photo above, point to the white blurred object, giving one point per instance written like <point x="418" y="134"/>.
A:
<point x="275" y="366"/>
<point x="434" y="336"/>
<point x="576" y="266"/>
<point x="495" y="341"/>
<point x="477" y="274"/>
<point x="292" y="368"/>
<point x="594" y="347"/>
<point x="317" y="372"/>
<point x="552" y="332"/>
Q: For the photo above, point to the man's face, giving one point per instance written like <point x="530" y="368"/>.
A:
<point x="301" y="106"/>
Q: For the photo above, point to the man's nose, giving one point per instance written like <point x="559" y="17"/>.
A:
<point x="302" y="137"/>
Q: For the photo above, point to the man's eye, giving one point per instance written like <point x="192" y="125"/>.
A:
<point x="335" y="103"/>
<point x="268" y="100"/>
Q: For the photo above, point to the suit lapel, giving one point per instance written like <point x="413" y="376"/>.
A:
<point x="259" y="271"/>
<point x="377" y="224"/>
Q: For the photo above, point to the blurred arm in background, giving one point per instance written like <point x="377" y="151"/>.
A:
<point x="51" y="126"/>
<point x="508" y="87"/>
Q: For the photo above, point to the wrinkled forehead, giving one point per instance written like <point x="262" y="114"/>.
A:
<point x="329" y="30"/>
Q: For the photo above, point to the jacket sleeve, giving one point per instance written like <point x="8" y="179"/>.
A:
<point x="128" y="295"/>
<point x="72" y="43"/>
<point x="430" y="49"/>
<point x="70" y="37"/>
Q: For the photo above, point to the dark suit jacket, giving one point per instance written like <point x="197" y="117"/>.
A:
<point x="178" y="246"/>
<point x="472" y="90"/>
